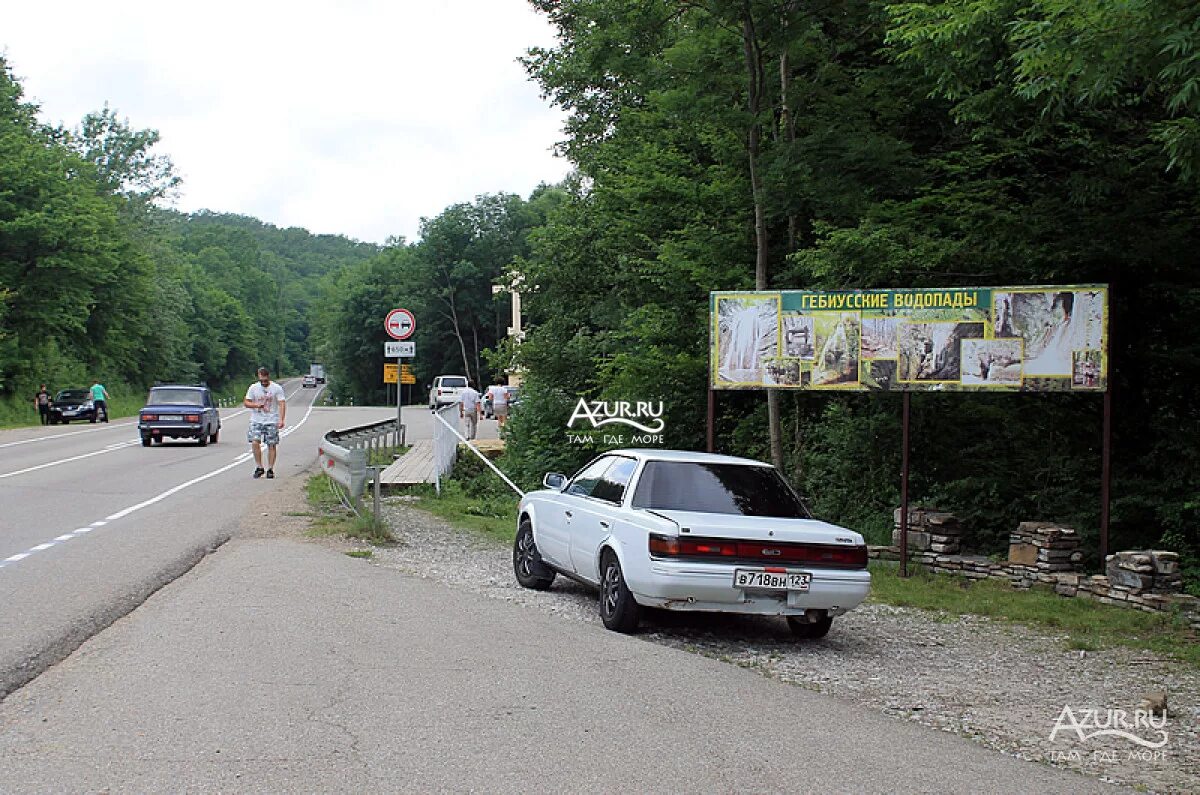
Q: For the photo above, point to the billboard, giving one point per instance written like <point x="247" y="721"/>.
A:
<point x="1044" y="339"/>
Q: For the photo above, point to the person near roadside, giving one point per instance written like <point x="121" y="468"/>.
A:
<point x="100" y="401"/>
<point x="42" y="401"/>
<point x="499" y="394"/>
<point x="469" y="410"/>
<point x="268" y="410"/>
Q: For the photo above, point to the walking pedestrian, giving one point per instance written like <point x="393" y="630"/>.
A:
<point x="99" y="401"/>
<point x="268" y="409"/>
<point x="499" y="394"/>
<point x="468" y="409"/>
<point x="42" y="401"/>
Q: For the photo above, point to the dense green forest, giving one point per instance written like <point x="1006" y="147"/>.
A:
<point x="717" y="145"/>
<point x="98" y="281"/>
<point x="740" y="144"/>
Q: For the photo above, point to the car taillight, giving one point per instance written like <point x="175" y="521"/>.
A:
<point x="764" y="552"/>
<point x="668" y="547"/>
<point x="192" y="417"/>
<point x="149" y="417"/>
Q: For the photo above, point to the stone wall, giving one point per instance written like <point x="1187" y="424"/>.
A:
<point x="1047" y="554"/>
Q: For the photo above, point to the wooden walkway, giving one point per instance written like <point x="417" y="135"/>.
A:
<point x="415" y="466"/>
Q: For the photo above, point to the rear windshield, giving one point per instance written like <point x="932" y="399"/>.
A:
<point x="738" y="489"/>
<point x="454" y="382"/>
<point x="73" y="394"/>
<point x="184" y="397"/>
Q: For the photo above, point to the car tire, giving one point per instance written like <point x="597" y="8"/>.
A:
<point x="216" y="435"/>
<point x="527" y="561"/>
<point x="145" y="441"/>
<point x="809" y="631"/>
<point x="618" y="610"/>
<point x="66" y="422"/>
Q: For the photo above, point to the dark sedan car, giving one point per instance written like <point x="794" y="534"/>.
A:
<point x="74" y="404"/>
<point x="179" y="411"/>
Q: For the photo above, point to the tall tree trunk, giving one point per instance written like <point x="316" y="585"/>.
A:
<point x="478" y="370"/>
<point x="448" y="300"/>
<point x="755" y="82"/>
<point x="786" y="122"/>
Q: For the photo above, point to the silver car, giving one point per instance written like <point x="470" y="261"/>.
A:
<point x="689" y="531"/>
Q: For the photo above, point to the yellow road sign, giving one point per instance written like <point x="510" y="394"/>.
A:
<point x="391" y="373"/>
<point x="408" y="379"/>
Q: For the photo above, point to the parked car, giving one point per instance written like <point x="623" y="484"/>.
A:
<point x="74" y="404"/>
<point x="445" y="390"/>
<point x="179" y="411"/>
<point x="689" y="531"/>
<point x="309" y="381"/>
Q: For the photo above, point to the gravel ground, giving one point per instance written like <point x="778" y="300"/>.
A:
<point x="1001" y="684"/>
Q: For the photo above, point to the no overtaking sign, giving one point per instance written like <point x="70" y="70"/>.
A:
<point x="400" y="324"/>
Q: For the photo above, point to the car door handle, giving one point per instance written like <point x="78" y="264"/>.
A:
<point x="569" y="514"/>
<point x="604" y="524"/>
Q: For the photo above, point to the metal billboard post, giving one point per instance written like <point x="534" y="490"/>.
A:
<point x="904" y="486"/>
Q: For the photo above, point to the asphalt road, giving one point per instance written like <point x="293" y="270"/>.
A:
<point x="92" y="522"/>
<point x="282" y="666"/>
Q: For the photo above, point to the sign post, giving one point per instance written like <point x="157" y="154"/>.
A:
<point x="399" y="325"/>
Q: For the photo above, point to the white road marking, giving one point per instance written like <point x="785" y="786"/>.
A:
<point x="107" y="427"/>
<point x="109" y="449"/>
<point x="64" y="537"/>
<point x="145" y="503"/>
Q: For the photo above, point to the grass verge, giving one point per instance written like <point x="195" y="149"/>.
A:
<point x="331" y="518"/>
<point x="1087" y="624"/>
<point x="474" y="499"/>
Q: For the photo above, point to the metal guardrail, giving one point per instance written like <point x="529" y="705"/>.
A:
<point x="344" y="453"/>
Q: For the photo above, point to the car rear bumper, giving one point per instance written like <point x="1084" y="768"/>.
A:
<point x="183" y="431"/>
<point x="690" y="586"/>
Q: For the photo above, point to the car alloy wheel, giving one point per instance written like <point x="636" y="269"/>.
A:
<point x="527" y="561"/>
<point x="618" y="610"/>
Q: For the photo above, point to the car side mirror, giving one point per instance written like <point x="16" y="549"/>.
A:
<point x="553" y="480"/>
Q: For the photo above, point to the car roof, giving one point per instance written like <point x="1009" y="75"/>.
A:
<point x="179" y="386"/>
<point x="685" y="456"/>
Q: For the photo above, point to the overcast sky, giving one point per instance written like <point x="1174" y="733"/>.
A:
<point x="356" y="117"/>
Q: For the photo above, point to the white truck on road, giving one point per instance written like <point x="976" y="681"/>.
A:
<point x="317" y="371"/>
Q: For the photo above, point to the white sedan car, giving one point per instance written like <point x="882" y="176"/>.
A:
<point x="689" y="531"/>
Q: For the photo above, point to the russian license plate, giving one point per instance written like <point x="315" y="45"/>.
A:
<point x="759" y="580"/>
<point x="170" y="417"/>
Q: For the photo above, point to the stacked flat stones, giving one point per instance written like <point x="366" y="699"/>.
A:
<point x="1044" y="547"/>
<point x="929" y="531"/>
<point x="1149" y="571"/>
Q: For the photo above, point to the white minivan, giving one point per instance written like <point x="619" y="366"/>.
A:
<point x="445" y="390"/>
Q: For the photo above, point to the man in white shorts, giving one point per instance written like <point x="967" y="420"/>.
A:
<point x="499" y="394"/>
<point x="268" y="407"/>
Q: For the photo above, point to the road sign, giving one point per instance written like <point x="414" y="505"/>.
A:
<point x="396" y="350"/>
<point x="408" y="379"/>
<point x="405" y="369"/>
<point x="400" y="324"/>
<point x="391" y="373"/>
